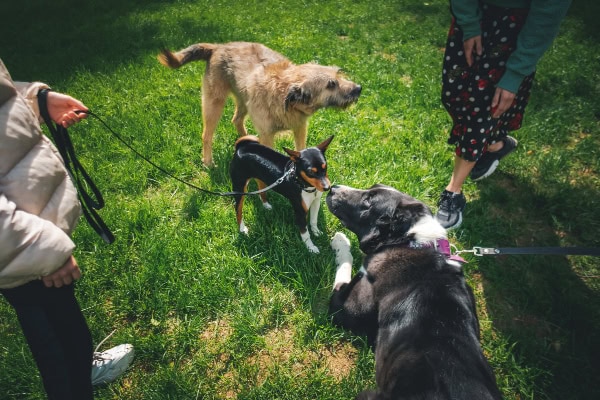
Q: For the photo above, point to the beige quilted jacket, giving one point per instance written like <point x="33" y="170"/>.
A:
<point x="38" y="202"/>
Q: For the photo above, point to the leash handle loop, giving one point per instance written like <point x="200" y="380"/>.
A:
<point x="81" y="179"/>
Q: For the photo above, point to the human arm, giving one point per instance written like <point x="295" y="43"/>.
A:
<point x="66" y="274"/>
<point x="501" y="101"/>
<point x="536" y="36"/>
<point x="38" y="204"/>
<point x="468" y="16"/>
<point x="61" y="107"/>
<point x="30" y="246"/>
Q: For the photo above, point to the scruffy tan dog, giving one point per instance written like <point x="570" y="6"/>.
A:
<point x="276" y="94"/>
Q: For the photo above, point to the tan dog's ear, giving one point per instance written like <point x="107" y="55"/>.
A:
<point x="323" y="146"/>
<point x="296" y="95"/>
<point x="294" y="155"/>
<point x="293" y="96"/>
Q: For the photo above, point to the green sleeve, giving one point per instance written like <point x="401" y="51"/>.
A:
<point x="536" y="36"/>
<point x="468" y="17"/>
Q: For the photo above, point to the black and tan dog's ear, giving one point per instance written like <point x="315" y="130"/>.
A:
<point x="323" y="146"/>
<point x="294" y="155"/>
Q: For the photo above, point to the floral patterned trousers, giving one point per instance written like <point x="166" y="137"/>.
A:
<point x="467" y="92"/>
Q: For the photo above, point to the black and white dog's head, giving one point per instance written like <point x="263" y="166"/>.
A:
<point x="382" y="216"/>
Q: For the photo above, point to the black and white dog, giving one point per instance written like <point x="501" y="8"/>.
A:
<point x="410" y="299"/>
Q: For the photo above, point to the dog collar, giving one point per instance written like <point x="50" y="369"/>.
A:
<point x="303" y="185"/>
<point x="442" y="246"/>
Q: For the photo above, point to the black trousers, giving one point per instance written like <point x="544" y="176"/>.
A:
<point x="58" y="337"/>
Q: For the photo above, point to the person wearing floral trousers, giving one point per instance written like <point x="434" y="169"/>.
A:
<point x="488" y="71"/>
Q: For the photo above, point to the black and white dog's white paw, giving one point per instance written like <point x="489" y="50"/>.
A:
<point x="343" y="258"/>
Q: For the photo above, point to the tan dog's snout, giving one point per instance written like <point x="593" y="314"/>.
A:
<point x="356" y="91"/>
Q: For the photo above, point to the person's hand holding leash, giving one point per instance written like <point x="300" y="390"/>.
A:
<point x="66" y="274"/>
<point x="62" y="107"/>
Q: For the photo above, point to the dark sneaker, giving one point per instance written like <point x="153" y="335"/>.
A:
<point x="450" y="207"/>
<point x="488" y="162"/>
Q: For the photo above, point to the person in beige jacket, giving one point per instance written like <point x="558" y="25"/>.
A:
<point x="39" y="210"/>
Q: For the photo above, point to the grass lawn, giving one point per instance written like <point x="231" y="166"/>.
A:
<point x="216" y="315"/>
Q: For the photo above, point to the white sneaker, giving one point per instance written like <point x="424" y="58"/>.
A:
<point x="110" y="364"/>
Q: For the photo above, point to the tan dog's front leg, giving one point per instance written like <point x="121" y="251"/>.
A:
<point x="207" y="157"/>
<point x="267" y="139"/>
<point x="343" y="258"/>
<point x="300" y="134"/>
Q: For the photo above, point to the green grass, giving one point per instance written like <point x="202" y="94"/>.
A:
<point x="215" y="315"/>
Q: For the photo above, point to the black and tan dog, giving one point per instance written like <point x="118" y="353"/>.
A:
<point x="410" y="299"/>
<point x="275" y="93"/>
<point x="303" y="186"/>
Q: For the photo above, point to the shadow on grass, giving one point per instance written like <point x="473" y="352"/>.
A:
<point x="49" y="41"/>
<point x="541" y="303"/>
<point x="587" y="13"/>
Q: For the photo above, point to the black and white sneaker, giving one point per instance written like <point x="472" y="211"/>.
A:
<point x="488" y="162"/>
<point x="450" y="208"/>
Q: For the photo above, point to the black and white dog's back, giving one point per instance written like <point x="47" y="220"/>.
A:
<point x="410" y="299"/>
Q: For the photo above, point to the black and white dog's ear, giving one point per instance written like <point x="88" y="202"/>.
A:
<point x="384" y="232"/>
<point x="391" y="228"/>
<point x="370" y="240"/>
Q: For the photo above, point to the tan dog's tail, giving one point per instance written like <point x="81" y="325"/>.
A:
<point x="195" y="52"/>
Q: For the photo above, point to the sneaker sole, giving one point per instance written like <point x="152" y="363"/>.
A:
<point x="457" y="223"/>
<point x="490" y="171"/>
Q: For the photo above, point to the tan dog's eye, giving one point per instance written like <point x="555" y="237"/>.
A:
<point x="332" y="84"/>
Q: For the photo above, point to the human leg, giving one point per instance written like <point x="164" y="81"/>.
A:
<point x="488" y="163"/>
<point x="452" y="201"/>
<point x="58" y="338"/>
<point x="467" y="92"/>
<point x="462" y="169"/>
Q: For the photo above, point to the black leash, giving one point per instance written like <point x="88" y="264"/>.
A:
<point x="82" y="180"/>
<point x="498" y="251"/>
<point x="289" y="168"/>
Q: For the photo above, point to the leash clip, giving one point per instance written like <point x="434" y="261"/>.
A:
<point x="480" y="251"/>
<point x="290" y="169"/>
<point x="485" y="251"/>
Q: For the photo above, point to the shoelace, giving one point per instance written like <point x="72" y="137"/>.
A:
<point x="97" y="354"/>
<point x="446" y="202"/>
